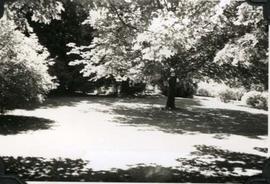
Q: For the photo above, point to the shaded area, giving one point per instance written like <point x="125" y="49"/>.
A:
<point x="209" y="159"/>
<point x="11" y="124"/>
<point x="263" y="150"/>
<point x="54" y="102"/>
<point x="195" y="119"/>
<point x="191" y="170"/>
<point x="72" y="101"/>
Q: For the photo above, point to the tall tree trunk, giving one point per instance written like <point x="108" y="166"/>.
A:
<point x="171" y="93"/>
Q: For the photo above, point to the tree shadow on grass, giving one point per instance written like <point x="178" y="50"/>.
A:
<point x="11" y="124"/>
<point x="196" y="120"/>
<point x="55" y="102"/>
<point x="209" y="159"/>
<point x="191" y="118"/>
<point x="221" y="166"/>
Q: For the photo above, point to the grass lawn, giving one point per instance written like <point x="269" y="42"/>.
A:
<point x="113" y="139"/>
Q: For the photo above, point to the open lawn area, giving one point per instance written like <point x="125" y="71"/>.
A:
<point x="113" y="139"/>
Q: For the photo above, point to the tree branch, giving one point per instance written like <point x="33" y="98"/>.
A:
<point x="114" y="9"/>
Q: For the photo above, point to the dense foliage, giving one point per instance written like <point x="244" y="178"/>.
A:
<point x="24" y="77"/>
<point x="23" y="68"/>
<point x="145" y="40"/>
<point x="256" y="99"/>
<point x="55" y="37"/>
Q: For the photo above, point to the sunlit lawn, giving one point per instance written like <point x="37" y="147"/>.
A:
<point x="113" y="139"/>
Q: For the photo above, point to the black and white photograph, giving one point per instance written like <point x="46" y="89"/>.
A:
<point x="134" y="91"/>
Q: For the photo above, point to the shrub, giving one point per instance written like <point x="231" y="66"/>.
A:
<point x="226" y="96"/>
<point x="256" y="99"/>
<point x="21" y="86"/>
<point x="208" y="89"/>
<point x="24" y="77"/>
<point x="186" y="88"/>
<point x="203" y="92"/>
<point x="231" y="94"/>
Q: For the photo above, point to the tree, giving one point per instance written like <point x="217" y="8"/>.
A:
<point x="127" y="42"/>
<point x="136" y="39"/>
<point x="246" y="56"/>
<point x="24" y="79"/>
<point x="55" y="37"/>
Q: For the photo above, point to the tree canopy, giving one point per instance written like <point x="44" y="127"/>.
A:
<point x="152" y="37"/>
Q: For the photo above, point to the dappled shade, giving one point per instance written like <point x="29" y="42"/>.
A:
<point x="190" y="117"/>
<point x="11" y="124"/>
<point x="193" y="116"/>
<point x="40" y="169"/>
<point x="196" y="120"/>
<point x="55" y="102"/>
<point x="210" y="159"/>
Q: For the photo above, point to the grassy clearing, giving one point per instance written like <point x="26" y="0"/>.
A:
<point x="73" y="138"/>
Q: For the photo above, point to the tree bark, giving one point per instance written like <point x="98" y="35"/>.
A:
<point x="171" y="94"/>
<point x="2" y="168"/>
<point x="1" y="8"/>
<point x="2" y="110"/>
<point x="124" y="89"/>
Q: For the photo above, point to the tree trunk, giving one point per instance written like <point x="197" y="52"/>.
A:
<point x="2" y="168"/>
<point x="115" y="89"/>
<point x="171" y="93"/>
<point x="124" y="89"/>
<point x="2" y="110"/>
<point x="1" y="8"/>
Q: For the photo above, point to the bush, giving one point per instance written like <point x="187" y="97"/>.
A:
<point x="186" y="89"/>
<point x="21" y="86"/>
<point x="226" y="96"/>
<point x="208" y="89"/>
<point x="24" y="77"/>
<point x="231" y="94"/>
<point x="203" y="92"/>
<point x="256" y="99"/>
<point x="130" y="88"/>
